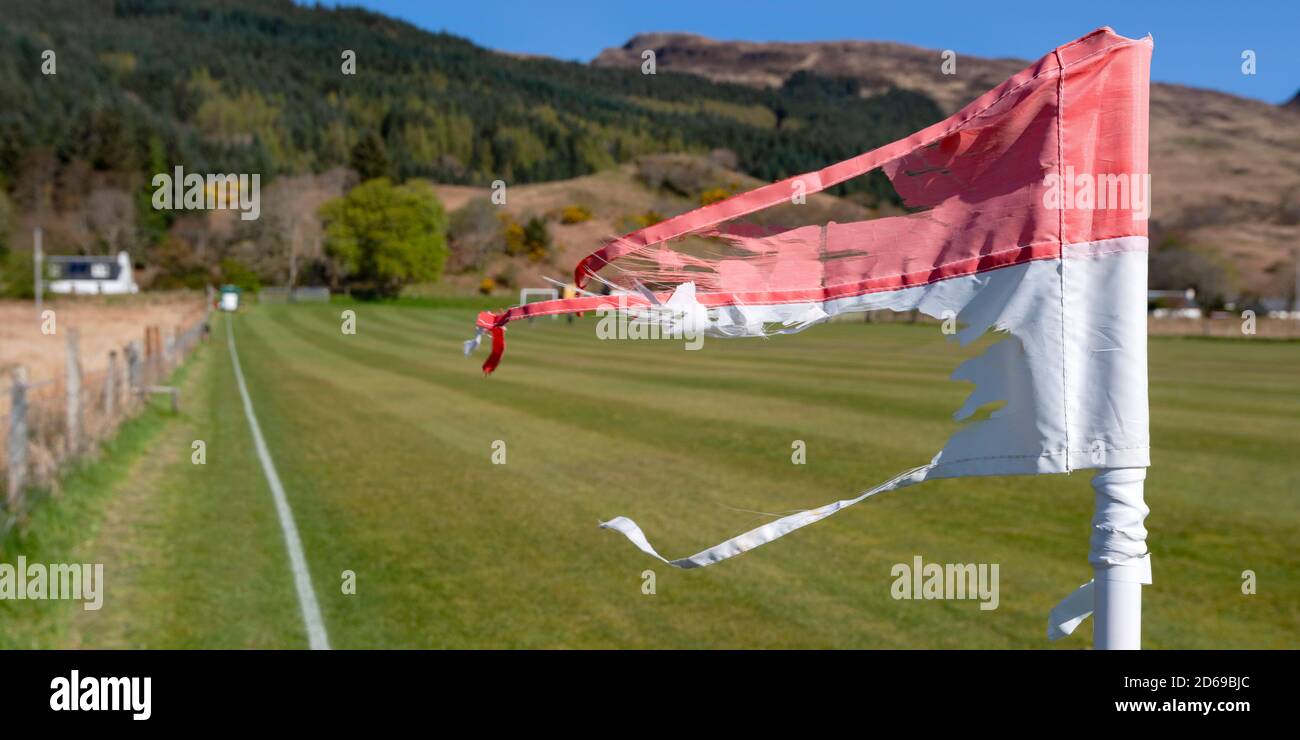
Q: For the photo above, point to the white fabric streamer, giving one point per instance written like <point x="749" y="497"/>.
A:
<point x="761" y="535"/>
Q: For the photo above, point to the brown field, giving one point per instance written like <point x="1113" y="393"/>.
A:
<point x="1224" y="328"/>
<point x="104" y="323"/>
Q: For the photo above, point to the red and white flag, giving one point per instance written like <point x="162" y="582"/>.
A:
<point x="1028" y="216"/>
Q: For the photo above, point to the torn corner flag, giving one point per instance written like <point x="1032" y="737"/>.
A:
<point x="1027" y="215"/>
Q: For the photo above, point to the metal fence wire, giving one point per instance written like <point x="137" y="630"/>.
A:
<point x="46" y="426"/>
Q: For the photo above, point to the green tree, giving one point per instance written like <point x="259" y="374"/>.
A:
<point x="537" y="239"/>
<point x="383" y="236"/>
<point x="370" y="156"/>
<point x="1176" y="265"/>
<point x="234" y="272"/>
<point x="6" y="222"/>
<point x="16" y="276"/>
<point x="152" y="223"/>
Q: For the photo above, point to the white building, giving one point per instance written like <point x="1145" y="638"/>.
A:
<point x="90" y="275"/>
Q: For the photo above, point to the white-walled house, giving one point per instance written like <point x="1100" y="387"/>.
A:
<point x="90" y="275"/>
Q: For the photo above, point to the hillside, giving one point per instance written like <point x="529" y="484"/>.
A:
<point x="99" y="97"/>
<point x="615" y="201"/>
<point x="879" y="64"/>
<point x="249" y="86"/>
<point x="1226" y="170"/>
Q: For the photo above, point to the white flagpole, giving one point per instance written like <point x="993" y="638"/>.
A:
<point x="1119" y="557"/>
<point x="1118" y="616"/>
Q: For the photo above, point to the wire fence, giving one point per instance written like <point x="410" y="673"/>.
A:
<point x="46" y="426"/>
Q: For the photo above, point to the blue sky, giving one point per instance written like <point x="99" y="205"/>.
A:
<point x="1197" y="42"/>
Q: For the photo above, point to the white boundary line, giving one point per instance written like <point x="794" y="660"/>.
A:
<point x="301" y="576"/>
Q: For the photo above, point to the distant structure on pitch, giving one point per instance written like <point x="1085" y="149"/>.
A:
<point x="229" y="298"/>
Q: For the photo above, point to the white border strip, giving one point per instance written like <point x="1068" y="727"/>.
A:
<point x="311" y="617"/>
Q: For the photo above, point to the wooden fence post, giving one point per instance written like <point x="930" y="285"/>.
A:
<point x="133" y="379"/>
<point x="73" y="394"/>
<point x="153" y="352"/>
<point x="110" y="385"/>
<point x="17" y="443"/>
<point x="146" y="377"/>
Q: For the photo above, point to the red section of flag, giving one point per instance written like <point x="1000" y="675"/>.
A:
<point x="980" y="184"/>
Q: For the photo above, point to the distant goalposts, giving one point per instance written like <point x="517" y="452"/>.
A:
<point x="549" y="294"/>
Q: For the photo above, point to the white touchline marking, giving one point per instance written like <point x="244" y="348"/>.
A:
<point x="316" y="636"/>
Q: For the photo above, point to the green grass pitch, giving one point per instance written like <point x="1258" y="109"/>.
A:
<point x="384" y="442"/>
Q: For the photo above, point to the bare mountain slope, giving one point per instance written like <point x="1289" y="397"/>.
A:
<point x="769" y="64"/>
<point x="617" y="201"/>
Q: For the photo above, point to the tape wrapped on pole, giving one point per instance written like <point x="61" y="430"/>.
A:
<point x="1118" y="549"/>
